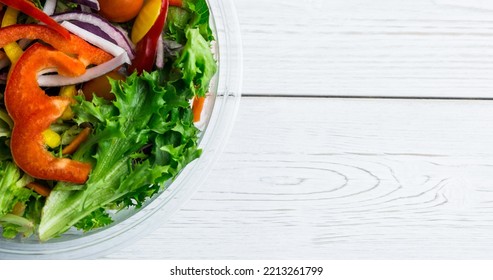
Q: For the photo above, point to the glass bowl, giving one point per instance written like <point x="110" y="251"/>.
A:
<point x="217" y="121"/>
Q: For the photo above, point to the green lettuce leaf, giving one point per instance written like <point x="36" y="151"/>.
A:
<point x="6" y="125"/>
<point x="200" y="17"/>
<point x="193" y="15"/>
<point x="13" y="225"/>
<point x="12" y="190"/>
<point x="196" y="63"/>
<point x="140" y="141"/>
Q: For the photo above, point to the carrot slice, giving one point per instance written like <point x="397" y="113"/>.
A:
<point x="40" y="189"/>
<point x="197" y="107"/>
<point x="78" y="140"/>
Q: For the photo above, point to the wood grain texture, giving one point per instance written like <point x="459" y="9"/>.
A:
<point x="366" y="48"/>
<point x="328" y="178"/>
<point x="342" y="179"/>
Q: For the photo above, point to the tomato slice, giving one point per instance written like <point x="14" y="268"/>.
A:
<point x="145" y="19"/>
<point x="120" y="10"/>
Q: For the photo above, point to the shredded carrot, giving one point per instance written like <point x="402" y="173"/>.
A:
<point x="79" y="139"/>
<point x="198" y="105"/>
<point x="40" y="189"/>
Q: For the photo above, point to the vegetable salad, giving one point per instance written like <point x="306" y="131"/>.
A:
<point x="99" y="102"/>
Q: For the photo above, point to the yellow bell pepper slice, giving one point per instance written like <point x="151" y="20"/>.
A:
<point x="68" y="91"/>
<point x="12" y="50"/>
<point x="145" y="19"/>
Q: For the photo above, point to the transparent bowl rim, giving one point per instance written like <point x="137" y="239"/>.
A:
<point x="162" y="207"/>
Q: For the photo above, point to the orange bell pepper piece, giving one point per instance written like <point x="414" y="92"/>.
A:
<point x="32" y="110"/>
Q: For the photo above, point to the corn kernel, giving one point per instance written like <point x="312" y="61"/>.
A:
<point x="52" y="139"/>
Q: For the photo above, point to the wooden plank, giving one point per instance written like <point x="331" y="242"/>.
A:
<point x="366" y="48"/>
<point x="342" y="178"/>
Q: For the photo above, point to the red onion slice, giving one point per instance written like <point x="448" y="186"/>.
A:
<point x="91" y="73"/>
<point x="93" y="4"/>
<point x="99" y="26"/>
<point x="93" y="29"/>
<point x="96" y="40"/>
<point x="85" y="9"/>
<point x="120" y="58"/>
<point x="49" y="7"/>
<point x="160" y="53"/>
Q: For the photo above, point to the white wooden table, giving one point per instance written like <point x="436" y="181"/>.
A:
<point x="365" y="131"/>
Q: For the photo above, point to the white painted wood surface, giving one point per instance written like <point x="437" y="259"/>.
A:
<point x="342" y="178"/>
<point x="366" y="48"/>
<point x="352" y="178"/>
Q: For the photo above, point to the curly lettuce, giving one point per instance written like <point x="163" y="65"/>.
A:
<point x="140" y="141"/>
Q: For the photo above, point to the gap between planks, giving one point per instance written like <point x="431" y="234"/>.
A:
<point x="312" y="96"/>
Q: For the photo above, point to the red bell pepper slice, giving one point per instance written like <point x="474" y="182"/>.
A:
<point x="146" y="49"/>
<point x="33" y="112"/>
<point x="29" y="9"/>
<point x="85" y="52"/>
